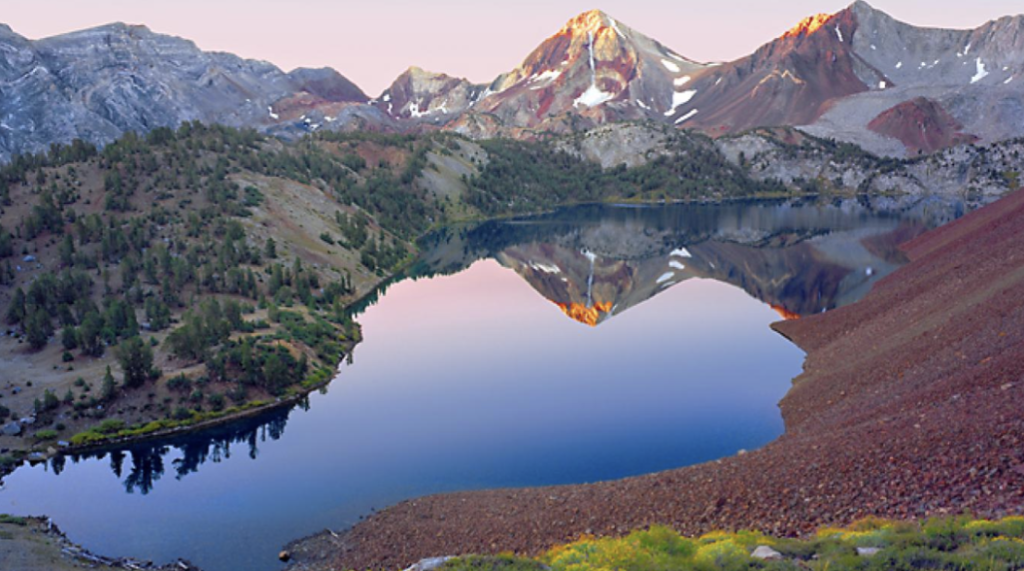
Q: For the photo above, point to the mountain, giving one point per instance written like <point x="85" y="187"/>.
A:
<point x="976" y="76"/>
<point x="788" y="81"/>
<point x="595" y="69"/>
<point x="96" y="84"/>
<point x="863" y="77"/>
<point x="421" y="96"/>
<point x="857" y="76"/>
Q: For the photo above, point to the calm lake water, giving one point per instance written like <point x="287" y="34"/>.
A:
<point x="594" y="343"/>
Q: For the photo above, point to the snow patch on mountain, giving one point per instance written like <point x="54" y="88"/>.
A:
<point x="982" y="73"/>
<point x="680" y="98"/>
<point x="686" y="117"/>
<point x="545" y="78"/>
<point x="594" y="95"/>
<point x="615" y="26"/>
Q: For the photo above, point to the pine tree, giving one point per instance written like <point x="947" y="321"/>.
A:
<point x="67" y="251"/>
<point x="109" y="386"/>
<point x="69" y="338"/>
<point x="16" y="309"/>
<point x="38" y="328"/>
<point x="89" y="334"/>
<point x="136" y="360"/>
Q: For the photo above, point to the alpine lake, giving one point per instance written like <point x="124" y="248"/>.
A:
<point x="592" y="343"/>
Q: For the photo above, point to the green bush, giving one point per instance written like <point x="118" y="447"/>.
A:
<point x="45" y="435"/>
<point x="13" y="520"/>
<point x="216" y="401"/>
<point x="492" y="563"/>
<point x="181" y="383"/>
<point x="110" y="426"/>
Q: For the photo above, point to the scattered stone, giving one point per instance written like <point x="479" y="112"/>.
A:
<point x="868" y="551"/>
<point x="766" y="553"/>
<point x="12" y="429"/>
<point x="429" y="564"/>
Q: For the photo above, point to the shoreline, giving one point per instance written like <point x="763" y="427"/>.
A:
<point x="923" y="426"/>
<point x="35" y="543"/>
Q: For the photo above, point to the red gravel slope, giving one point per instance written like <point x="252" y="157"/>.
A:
<point x="922" y="125"/>
<point x="911" y="403"/>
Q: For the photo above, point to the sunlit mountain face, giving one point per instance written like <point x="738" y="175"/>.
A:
<point x="800" y="257"/>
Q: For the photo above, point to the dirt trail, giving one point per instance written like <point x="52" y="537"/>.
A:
<point x="910" y="405"/>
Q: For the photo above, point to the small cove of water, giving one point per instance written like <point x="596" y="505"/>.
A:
<point x="486" y="371"/>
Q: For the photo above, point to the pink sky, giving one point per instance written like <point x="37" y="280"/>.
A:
<point x="372" y="41"/>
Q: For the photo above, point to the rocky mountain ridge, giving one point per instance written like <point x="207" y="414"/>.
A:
<point x="99" y="83"/>
<point x="857" y="76"/>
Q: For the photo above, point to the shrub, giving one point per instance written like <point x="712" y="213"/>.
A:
<point x="724" y="554"/>
<point x="181" y="383"/>
<point x="46" y="435"/>
<point x="13" y="520"/>
<point x="216" y="401"/>
<point x="110" y="426"/>
<point x="491" y="563"/>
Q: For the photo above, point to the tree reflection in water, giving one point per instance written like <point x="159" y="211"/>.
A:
<point x="185" y="454"/>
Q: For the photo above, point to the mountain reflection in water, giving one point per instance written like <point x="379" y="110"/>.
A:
<point x="594" y="262"/>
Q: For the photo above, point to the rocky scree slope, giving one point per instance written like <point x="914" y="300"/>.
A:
<point x="975" y="173"/>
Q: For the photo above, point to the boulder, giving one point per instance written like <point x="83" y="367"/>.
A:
<point x="429" y="564"/>
<point x="12" y="429"/>
<point x="868" y="551"/>
<point x="765" y="553"/>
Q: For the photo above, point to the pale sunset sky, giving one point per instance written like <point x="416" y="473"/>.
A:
<point x="372" y="41"/>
